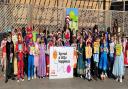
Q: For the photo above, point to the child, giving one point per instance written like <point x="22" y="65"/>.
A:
<point x="126" y="53"/>
<point x="42" y="60"/>
<point x="103" y="63"/>
<point x="111" y="55"/>
<point x="50" y="44"/>
<point x="20" y="57"/>
<point x="96" y="52"/>
<point x="3" y="60"/>
<point x="31" y="60"/>
<point x="36" y="57"/>
<point x="80" y="63"/>
<point x="74" y="44"/>
<point x="118" y="68"/>
<point x="88" y="54"/>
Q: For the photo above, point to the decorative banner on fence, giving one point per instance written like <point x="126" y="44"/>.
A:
<point x="61" y="62"/>
<point x="72" y="18"/>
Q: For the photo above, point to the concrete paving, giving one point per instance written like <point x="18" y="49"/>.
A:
<point x="75" y="83"/>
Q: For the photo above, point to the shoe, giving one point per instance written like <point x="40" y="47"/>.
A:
<point x="18" y="81"/>
<point x="6" y="80"/>
<point x="81" y="76"/>
<point x="22" y="80"/>
<point x="28" y="79"/>
<point x="121" y="80"/>
<point x="89" y="80"/>
<point x="101" y="76"/>
<point x="32" y="78"/>
<point x="35" y="76"/>
<point x="117" y="79"/>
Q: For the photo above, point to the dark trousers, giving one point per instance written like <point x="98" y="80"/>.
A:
<point x="9" y="70"/>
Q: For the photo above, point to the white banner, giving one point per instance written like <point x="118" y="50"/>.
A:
<point x="61" y="62"/>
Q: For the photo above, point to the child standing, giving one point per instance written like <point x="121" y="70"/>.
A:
<point x="118" y="68"/>
<point x="74" y="44"/>
<point x="20" y="57"/>
<point x="80" y="63"/>
<point x="31" y="60"/>
<point x="42" y="60"/>
<point x="88" y="54"/>
<point x="3" y="60"/>
<point x="96" y="52"/>
<point x="111" y="55"/>
<point x="103" y="63"/>
<point x="36" y="57"/>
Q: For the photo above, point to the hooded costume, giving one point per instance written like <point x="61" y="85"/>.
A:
<point x="20" y="56"/>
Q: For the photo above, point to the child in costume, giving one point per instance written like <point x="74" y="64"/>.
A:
<point x="111" y="55"/>
<point x="124" y="50"/>
<point x="20" y="55"/>
<point x="67" y="37"/>
<point x="50" y="44"/>
<point x="118" y="67"/>
<point x="42" y="60"/>
<point x="31" y="60"/>
<point x="74" y="44"/>
<point x="96" y="54"/>
<point x="88" y="55"/>
<point x="103" y="63"/>
<point x="15" y="39"/>
<point x="36" y="57"/>
<point x="80" y="63"/>
<point x="3" y="60"/>
<point x="126" y="53"/>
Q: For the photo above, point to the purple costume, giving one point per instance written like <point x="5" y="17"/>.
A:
<point x="42" y="61"/>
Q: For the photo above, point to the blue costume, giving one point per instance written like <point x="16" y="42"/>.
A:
<point x="103" y="63"/>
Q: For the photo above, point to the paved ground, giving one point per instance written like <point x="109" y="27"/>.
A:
<point x="75" y="83"/>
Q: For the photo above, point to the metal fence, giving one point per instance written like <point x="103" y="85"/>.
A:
<point x="52" y="18"/>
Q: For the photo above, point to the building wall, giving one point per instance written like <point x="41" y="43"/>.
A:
<point x="89" y="4"/>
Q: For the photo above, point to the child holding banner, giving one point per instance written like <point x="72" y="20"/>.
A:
<point x="118" y="68"/>
<point x="88" y="53"/>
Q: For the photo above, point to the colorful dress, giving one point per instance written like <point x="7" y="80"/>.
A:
<point x="126" y="54"/>
<point x="96" y="52"/>
<point x="42" y="62"/>
<point x="36" y="55"/>
<point x="80" y="63"/>
<point x="103" y="63"/>
<point x="118" y="67"/>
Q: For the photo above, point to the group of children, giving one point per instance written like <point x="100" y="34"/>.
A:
<point x="98" y="55"/>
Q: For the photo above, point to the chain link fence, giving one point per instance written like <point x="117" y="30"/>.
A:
<point x="52" y="18"/>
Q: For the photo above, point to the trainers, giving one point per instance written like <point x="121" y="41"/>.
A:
<point x="22" y="80"/>
<point x="32" y="78"/>
<point x="18" y="81"/>
<point x="28" y="79"/>
<point x="120" y="80"/>
<point x="117" y="79"/>
<point x="35" y="76"/>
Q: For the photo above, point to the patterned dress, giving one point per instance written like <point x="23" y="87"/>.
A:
<point x="80" y="63"/>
